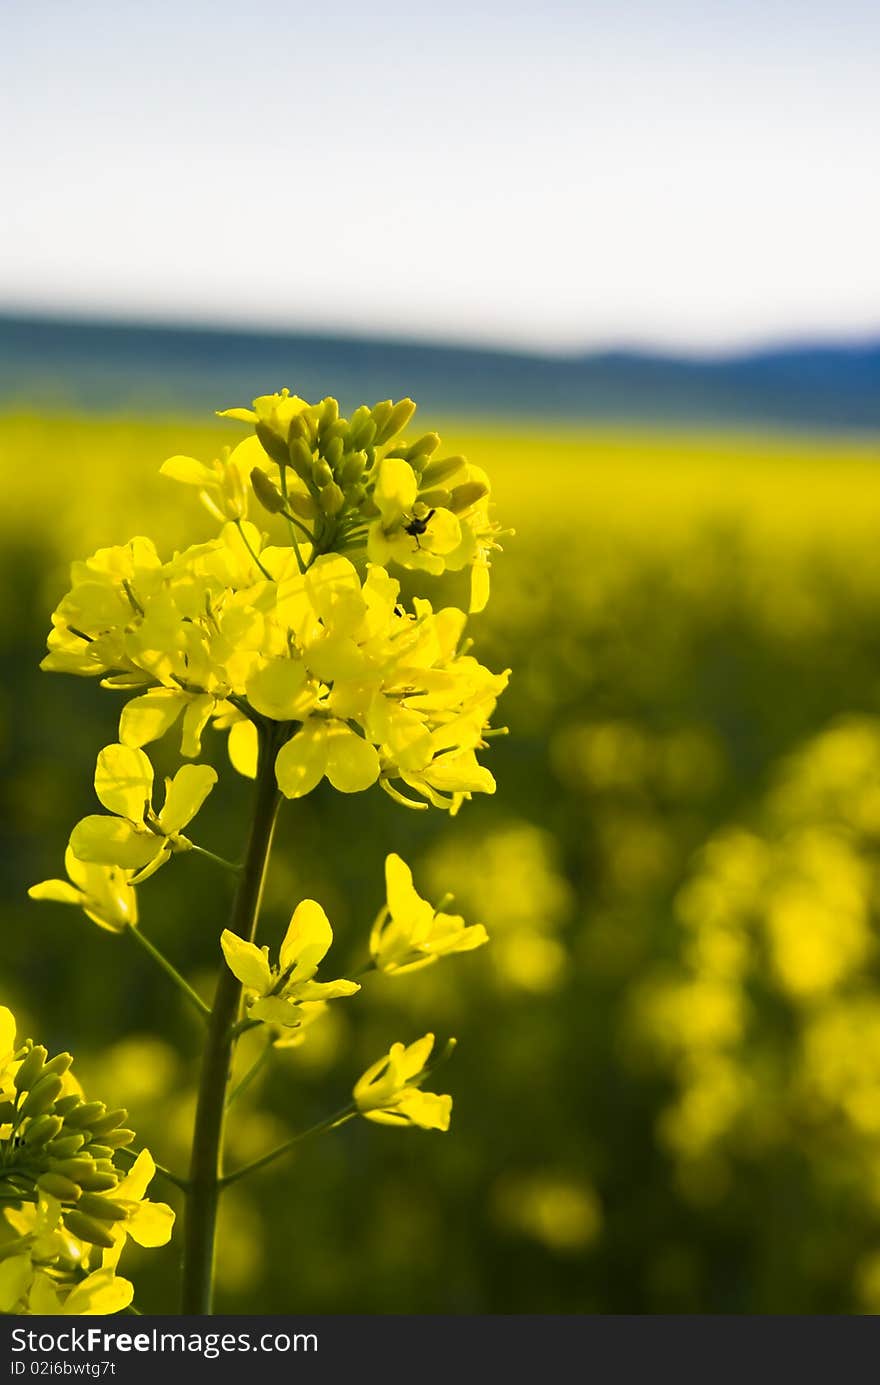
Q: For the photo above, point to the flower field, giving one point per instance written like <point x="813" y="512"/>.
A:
<point x="667" y="1087"/>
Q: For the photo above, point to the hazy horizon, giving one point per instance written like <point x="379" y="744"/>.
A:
<point x="684" y="178"/>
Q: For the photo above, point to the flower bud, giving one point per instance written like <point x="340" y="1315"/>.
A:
<point x="109" y="1121"/>
<point x="43" y="1129"/>
<point x="300" y="458"/>
<point x="72" y="1167"/>
<point x="94" y="1205"/>
<point x="56" y="1185"/>
<point x="398" y="419"/>
<point x="441" y="471"/>
<point x="302" y="505"/>
<point x="59" y="1064"/>
<point x="41" y="1096"/>
<point x="31" y="1069"/>
<point x="84" y="1113"/>
<point x="333" y="453"/>
<point x="66" y="1104"/>
<point x="266" y="492"/>
<point x="466" y="495"/>
<point x="436" y="499"/>
<point x="422" y="448"/>
<point x="321" y="473"/>
<point x="362" y="430"/>
<point x="381" y="413"/>
<point x="329" y="414"/>
<point x="98" y="1181"/>
<point x="353" y="468"/>
<point x="88" y="1229"/>
<point x="67" y="1146"/>
<point x="99" y="1151"/>
<point x="332" y="498"/>
<point x="117" y="1138"/>
<point x="273" y="444"/>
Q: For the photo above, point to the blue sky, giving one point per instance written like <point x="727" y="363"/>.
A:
<point x="565" y="176"/>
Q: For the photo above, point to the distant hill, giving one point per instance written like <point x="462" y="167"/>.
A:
<point x="114" y="367"/>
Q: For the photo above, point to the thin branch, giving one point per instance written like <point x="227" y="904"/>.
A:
<point x="331" y="1123"/>
<point x="161" y="960"/>
<point x="212" y="856"/>
<point x="256" y="1067"/>
<point x="247" y="543"/>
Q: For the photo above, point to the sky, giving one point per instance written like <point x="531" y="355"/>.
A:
<point x="559" y="176"/>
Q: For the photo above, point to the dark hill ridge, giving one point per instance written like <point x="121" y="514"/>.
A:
<point x="117" y="366"/>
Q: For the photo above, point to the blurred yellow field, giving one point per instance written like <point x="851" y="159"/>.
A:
<point x="661" y="1069"/>
<point x="90" y="476"/>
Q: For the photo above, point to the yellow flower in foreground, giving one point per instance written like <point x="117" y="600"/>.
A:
<point x="275" y="993"/>
<point x="223" y="485"/>
<point x="105" y="893"/>
<point x="148" y="1223"/>
<point x="409" y="932"/>
<point x="136" y="838"/>
<point x="389" y="1094"/>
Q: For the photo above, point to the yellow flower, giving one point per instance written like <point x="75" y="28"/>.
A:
<point x="222" y="484"/>
<point x="274" y="994"/>
<point x="389" y="1094"/>
<point x="410" y="933"/>
<point x="136" y="838"/>
<point x="105" y="893"/>
<point x="148" y="1223"/>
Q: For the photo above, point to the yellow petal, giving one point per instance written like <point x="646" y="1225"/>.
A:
<point x="243" y="748"/>
<point x="148" y="717"/>
<point x="187" y="792"/>
<point x="124" y="781"/>
<point x="277" y="688"/>
<point x="102" y="1292"/>
<point x="352" y="763"/>
<point x="302" y="762"/>
<point x="110" y="841"/>
<point x="246" y="961"/>
<point x="334" y="590"/>
<point x="307" y="939"/>
<point x="151" y="1224"/>
<point x="396" y="490"/>
<point x="188" y="470"/>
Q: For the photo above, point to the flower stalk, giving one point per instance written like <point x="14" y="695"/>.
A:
<point x="206" y="1167"/>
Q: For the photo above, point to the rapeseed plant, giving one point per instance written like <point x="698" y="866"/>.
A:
<point x="307" y="656"/>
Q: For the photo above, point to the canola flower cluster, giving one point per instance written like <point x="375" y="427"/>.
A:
<point x="68" y="1208"/>
<point x="305" y="651"/>
<point x="309" y="635"/>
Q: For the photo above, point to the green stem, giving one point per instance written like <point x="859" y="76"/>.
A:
<point x="290" y="526"/>
<point x="255" y="1067"/>
<point x="211" y="856"/>
<point x="245" y="540"/>
<point x="307" y="533"/>
<point x="347" y="1113"/>
<point x="180" y="1183"/>
<point x="207" y="1149"/>
<point x="159" y="957"/>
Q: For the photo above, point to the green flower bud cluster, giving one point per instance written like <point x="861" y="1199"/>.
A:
<point x="357" y="485"/>
<point x="333" y="459"/>
<point x="54" y="1144"/>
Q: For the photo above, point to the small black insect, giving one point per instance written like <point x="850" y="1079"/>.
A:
<point x="417" y="527"/>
